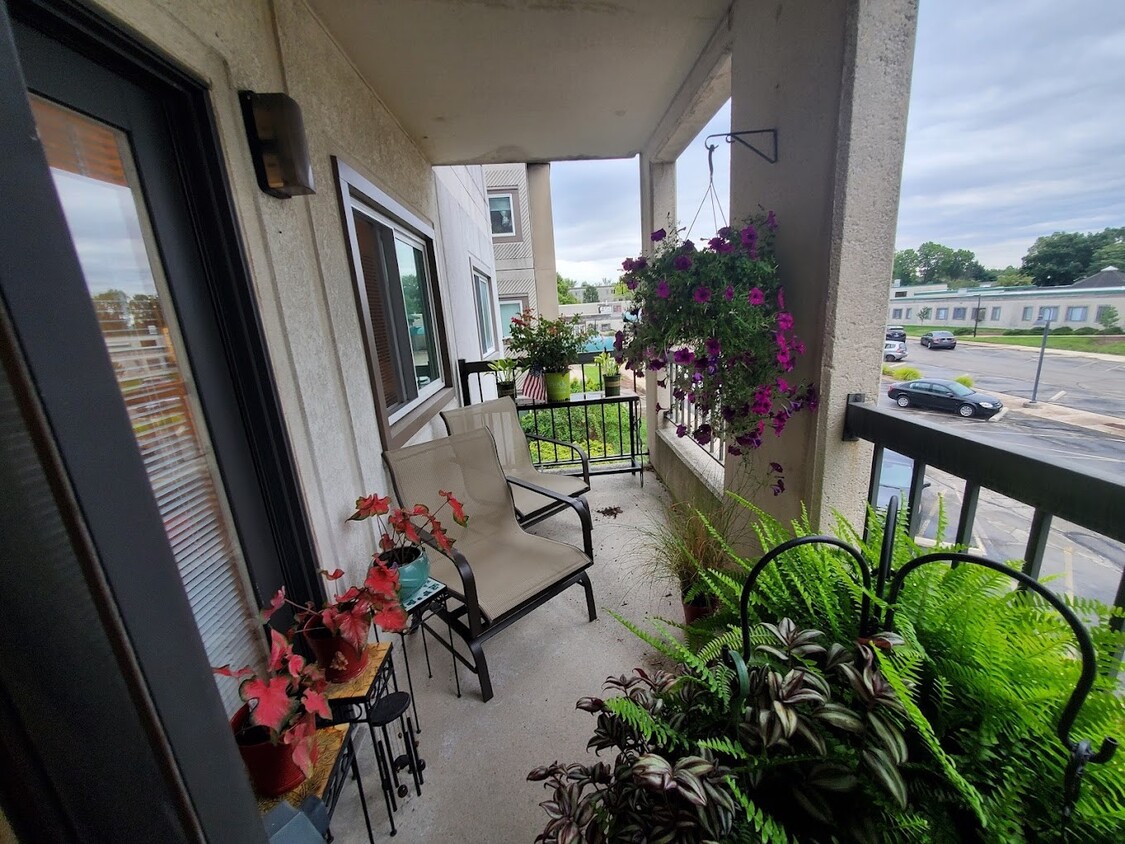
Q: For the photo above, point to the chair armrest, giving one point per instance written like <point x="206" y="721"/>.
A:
<point x="468" y="581"/>
<point x="582" y="455"/>
<point x="579" y="505"/>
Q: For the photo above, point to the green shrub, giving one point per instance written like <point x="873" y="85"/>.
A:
<point x="1086" y="330"/>
<point x="967" y="380"/>
<point x="888" y="369"/>
<point x="906" y="373"/>
<point x="1113" y="329"/>
<point x="1063" y="329"/>
<point x="1014" y="332"/>
<point x="962" y="331"/>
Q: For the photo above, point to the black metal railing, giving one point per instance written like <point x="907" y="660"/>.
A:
<point x="1053" y="488"/>
<point x="616" y="423"/>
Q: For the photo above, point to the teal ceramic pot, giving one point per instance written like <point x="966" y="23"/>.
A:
<point x="412" y="574"/>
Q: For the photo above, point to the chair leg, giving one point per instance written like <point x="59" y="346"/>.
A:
<point x="590" y="608"/>
<point x="476" y="649"/>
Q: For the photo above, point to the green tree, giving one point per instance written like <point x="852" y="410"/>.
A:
<point x="1065" y="257"/>
<point x="1012" y="277"/>
<point x="1108" y="316"/>
<point x="564" y="285"/>
<point x="146" y="311"/>
<point x="938" y="262"/>
<point x="112" y="309"/>
<point x="589" y="292"/>
<point x="924" y="314"/>
<point x="1110" y="255"/>
<point x="905" y="267"/>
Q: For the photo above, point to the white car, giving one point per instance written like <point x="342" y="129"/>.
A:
<point x="894" y="350"/>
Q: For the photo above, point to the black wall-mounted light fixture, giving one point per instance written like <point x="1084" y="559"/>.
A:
<point x="276" y="134"/>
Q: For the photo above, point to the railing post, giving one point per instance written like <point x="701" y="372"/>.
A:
<point x="968" y="515"/>
<point x="1036" y="543"/>
<point x="917" y="484"/>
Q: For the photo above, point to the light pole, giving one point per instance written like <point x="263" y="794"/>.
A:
<point x="976" y="316"/>
<point x="1046" y="326"/>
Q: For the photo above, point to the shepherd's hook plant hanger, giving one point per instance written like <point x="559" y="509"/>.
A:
<point x="1081" y="751"/>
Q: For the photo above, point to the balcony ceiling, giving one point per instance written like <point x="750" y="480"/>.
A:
<point x="489" y="81"/>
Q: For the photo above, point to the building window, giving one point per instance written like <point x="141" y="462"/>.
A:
<point x="995" y="314"/>
<point x="1027" y="314"/>
<point x="942" y="313"/>
<point x="900" y="294"/>
<point x="1077" y="314"/>
<point x="909" y="311"/>
<point x="504" y="215"/>
<point x="509" y="310"/>
<point x="486" y="322"/>
<point x="958" y="313"/>
<point x="393" y="266"/>
<point x="1048" y="313"/>
<point x="896" y="313"/>
<point x="1101" y="312"/>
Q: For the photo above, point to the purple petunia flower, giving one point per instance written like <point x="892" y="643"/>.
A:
<point x="688" y="246"/>
<point x="631" y="283"/>
<point x="619" y="340"/>
<point x="726" y="231"/>
<point x="640" y="263"/>
<point x="713" y="346"/>
<point x="683" y="356"/>
<point x="749" y="236"/>
<point x="779" y="487"/>
<point x="728" y="294"/>
<point x="776" y="468"/>
<point x="663" y="291"/>
<point x="812" y="399"/>
<point x="701" y="294"/>
<point x="658" y="407"/>
<point x="660" y="234"/>
<point x="663" y="382"/>
<point x="677" y="394"/>
<point x="782" y="385"/>
<point x="734" y="449"/>
<point x="771" y="221"/>
<point x="702" y="434"/>
<point x="756" y="296"/>
<point x="628" y="265"/>
<point x="682" y="262"/>
<point x="656" y="363"/>
<point x="681" y="430"/>
<point x="785" y="320"/>
<point x="781" y="299"/>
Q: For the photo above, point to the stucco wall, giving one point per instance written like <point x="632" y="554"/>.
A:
<point x="296" y="248"/>
<point x="1011" y="305"/>
<point x="834" y="81"/>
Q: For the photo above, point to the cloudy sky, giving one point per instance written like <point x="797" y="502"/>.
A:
<point x="1016" y="130"/>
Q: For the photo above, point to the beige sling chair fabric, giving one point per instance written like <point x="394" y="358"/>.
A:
<point x="497" y="571"/>
<point x="500" y="417"/>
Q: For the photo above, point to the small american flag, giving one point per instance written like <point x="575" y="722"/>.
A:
<point x="535" y="387"/>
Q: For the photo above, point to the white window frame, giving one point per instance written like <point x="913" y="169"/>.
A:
<point x="510" y="300"/>
<point x="1073" y="309"/>
<point x="995" y="315"/>
<point x="961" y="311"/>
<point x="486" y="310"/>
<point x="942" y="313"/>
<point x="513" y="204"/>
<point x="1028" y="311"/>
<point x="896" y="313"/>
<point x="1050" y="312"/>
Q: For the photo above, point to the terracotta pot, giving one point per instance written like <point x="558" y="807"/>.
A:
<point x="269" y="765"/>
<point x="558" y="385"/>
<point x="326" y="646"/>
<point x="611" y="385"/>
<point x="699" y="607"/>
<point x="413" y="568"/>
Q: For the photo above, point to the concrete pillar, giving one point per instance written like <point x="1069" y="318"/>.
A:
<point x="543" y="238"/>
<point x="658" y="210"/>
<point x="834" y="80"/>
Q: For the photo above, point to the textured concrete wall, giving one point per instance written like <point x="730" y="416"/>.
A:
<point x="542" y="221"/>
<point x="834" y="80"/>
<point x="297" y="248"/>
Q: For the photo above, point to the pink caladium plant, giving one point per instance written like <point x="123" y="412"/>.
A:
<point x="284" y="699"/>
<point x="402" y="526"/>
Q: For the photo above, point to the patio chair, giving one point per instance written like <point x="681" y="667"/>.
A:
<point x="501" y="418"/>
<point x="497" y="572"/>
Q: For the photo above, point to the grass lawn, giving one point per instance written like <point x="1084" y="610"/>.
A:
<point x="1113" y="345"/>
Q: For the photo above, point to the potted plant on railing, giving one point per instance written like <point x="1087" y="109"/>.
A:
<point x="400" y="540"/>
<point x="337" y="632"/>
<point x="506" y="370"/>
<point x="549" y="346"/>
<point x="712" y="324"/>
<point x="275" y="729"/>
<point x="611" y="374"/>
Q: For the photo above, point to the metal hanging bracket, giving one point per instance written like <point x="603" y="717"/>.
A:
<point x="731" y="137"/>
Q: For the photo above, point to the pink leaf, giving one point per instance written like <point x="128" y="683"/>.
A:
<point x="274" y="606"/>
<point x="391" y="618"/>
<point x="273" y="706"/>
<point x="279" y="650"/>
<point x="353" y="627"/>
<point x="296" y="665"/>
<point x="316" y="703"/>
<point x="335" y="575"/>
<point x="225" y="671"/>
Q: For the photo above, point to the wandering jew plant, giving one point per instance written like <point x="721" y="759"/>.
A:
<point x="711" y="323"/>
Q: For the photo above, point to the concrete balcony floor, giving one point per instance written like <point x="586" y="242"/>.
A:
<point x="478" y="754"/>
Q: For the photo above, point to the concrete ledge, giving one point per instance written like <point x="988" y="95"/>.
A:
<point x="685" y="469"/>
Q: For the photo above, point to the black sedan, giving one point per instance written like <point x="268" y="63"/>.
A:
<point x="939" y="340"/>
<point x="939" y="394"/>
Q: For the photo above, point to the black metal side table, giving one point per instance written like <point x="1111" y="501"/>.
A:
<point x="335" y="758"/>
<point x="367" y="697"/>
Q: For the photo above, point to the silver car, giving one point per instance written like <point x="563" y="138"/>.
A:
<point x="894" y="350"/>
